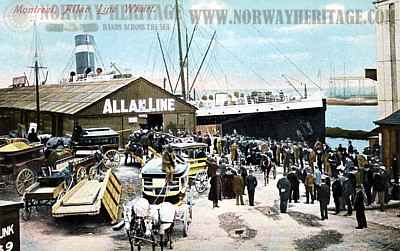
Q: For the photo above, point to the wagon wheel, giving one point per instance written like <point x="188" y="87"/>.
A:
<point x="112" y="159"/>
<point x="80" y="174"/>
<point x="59" y="197"/>
<point x="25" y="179"/>
<point x="92" y="172"/>
<point x="201" y="182"/>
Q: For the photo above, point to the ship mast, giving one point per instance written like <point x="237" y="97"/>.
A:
<point x="36" y="67"/>
<point x="180" y="53"/>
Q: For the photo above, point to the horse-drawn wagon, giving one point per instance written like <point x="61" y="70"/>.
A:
<point x="104" y="140"/>
<point x="20" y="164"/>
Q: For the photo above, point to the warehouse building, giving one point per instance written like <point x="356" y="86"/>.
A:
<point x="123" y="105"/>
<point x="389" y="129"/>
<point x="388" y="69"/>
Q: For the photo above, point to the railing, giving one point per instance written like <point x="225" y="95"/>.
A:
<point x="251" y="101"/>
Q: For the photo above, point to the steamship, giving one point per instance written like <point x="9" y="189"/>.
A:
<point x="265" y="115"/>
<point x="260" y="114"/>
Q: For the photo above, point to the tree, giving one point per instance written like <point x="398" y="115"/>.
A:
<point x="204" y="97"/>
<point x="211" y="97"/>
<point x="236" y="94"/>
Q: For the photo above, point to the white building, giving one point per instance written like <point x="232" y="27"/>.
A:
<point x="388" y="56"/>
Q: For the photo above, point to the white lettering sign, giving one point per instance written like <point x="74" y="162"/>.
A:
<point x="7" y="231"/>
<point x="8" y="247"/>
<point x="139" y="106"/>
<point x="132" y="120"/>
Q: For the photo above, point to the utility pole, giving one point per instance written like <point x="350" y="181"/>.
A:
<point x="180" y="52"/>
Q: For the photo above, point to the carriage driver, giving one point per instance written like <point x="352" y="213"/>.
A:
<point x="168" y="164"/>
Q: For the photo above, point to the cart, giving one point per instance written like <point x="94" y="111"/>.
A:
<point x="195" y="155"/>
<point x="156" y="191"/>
<point x="43" y="193"/>
<point x="62" y="176"/>
<point x="104" y="140"/>
<point x="20" y="165"/>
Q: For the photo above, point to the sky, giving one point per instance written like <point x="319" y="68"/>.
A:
<point x="242" y="56"/>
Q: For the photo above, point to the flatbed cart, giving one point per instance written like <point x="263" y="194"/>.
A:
<point x="43" y="193"/>
<point x="63" y="176"/>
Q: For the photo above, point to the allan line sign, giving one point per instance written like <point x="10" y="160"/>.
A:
<point x="139" y="106"/>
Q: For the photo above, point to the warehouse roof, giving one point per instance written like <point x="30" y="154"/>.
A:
<point x="66" y="99"/>
<point x="393" y="119"/>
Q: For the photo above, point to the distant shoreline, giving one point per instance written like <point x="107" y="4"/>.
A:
<point x="352" y="102"/>
<point x="338" y="132"/>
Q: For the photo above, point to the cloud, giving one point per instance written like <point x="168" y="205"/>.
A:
<point x="298" y="28"/>
<point x="335" y="6"/>
<point x="355" y="39"/>
<point x="296" y="56"/>
<point x="231" y="39"/>
<point x="214" y="4"/>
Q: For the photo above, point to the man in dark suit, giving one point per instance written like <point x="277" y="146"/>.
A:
<point x="251" y="183"/>
<point x="284" y="193"/>
<point x="324" y="196"/>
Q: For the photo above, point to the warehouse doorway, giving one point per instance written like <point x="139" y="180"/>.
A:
<point x="6" y="125"/>
<point x="154" y="120"/>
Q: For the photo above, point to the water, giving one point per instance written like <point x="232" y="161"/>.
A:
<point x="358" y="144"/>
<point x="351" y="118"/>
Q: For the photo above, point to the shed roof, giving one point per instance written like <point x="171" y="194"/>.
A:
<point x="393" y="119"/>
<point x="65" y="99"/>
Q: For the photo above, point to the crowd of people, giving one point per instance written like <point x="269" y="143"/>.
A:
<point x="352" y="179"/>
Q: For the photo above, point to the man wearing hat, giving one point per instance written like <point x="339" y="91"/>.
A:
<point x="379" y="186"/>
<point x="309" y="185"/>
<point x="215" y="193"/>
<point x="324" y="196"/>
<point x="337" y="192"/>
<point x="238" y="186"/>
<point x="234" y="152"/>
<point x="168" y="163"/>
<point x="312" y="158"/>
<point x="359" y="206"/>
<point x="251" y="183"/>
<point x="348" y="191"/>
<point x="284" y="193"/>
<point x="294" y="185"/>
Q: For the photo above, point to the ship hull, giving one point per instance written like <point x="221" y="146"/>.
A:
<point x="303" y="124"/>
